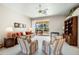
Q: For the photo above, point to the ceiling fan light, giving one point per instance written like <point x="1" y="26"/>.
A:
<point x="40" y="11"/>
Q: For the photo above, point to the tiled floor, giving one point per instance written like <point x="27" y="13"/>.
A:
<point x="39" y="52"/>
<point x="40" y="40"/>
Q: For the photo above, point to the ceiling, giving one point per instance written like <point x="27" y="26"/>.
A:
<point x="31" y="9"/>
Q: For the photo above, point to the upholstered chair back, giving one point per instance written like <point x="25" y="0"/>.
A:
<point x="22" y="45"/>
<point x="59" y="46"/>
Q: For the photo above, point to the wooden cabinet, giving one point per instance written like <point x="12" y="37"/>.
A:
<point x="71" y="30"/>
<point x="9" y="42"/>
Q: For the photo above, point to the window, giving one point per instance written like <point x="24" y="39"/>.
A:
<point x="41" y="27"/>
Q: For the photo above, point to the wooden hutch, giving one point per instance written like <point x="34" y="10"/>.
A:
<point x="71" y="30"/>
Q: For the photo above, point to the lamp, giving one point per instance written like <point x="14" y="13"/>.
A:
<point x="30" y="29"/>
<point x="9" y="31"/>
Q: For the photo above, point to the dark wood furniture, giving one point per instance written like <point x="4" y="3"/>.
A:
<point x="71" y="30"/>
<point x="1" y="45"/>
<point x="9" y="42"/>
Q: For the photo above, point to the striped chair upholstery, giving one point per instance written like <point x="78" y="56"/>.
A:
<point x="22" y="45"/>
<point x="59" y="46"/>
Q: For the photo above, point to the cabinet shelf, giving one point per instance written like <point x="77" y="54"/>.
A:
<point x="71" y="30"/>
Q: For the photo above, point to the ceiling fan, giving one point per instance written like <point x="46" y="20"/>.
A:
<point x="41" y="10"/>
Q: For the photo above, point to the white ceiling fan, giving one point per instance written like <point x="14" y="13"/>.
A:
<point x="41" y="10"/>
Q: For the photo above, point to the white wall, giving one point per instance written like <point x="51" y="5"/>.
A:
<point x="56" y="24"/>
<point x="8" y="17"/>
<point x="76" y="12"/>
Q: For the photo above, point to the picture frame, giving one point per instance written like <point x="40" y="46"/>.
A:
<point x="16" y="25"/>
<point x="19" y="25"/>
<point x="25" y="26"/>
<point x="22" y="25"/>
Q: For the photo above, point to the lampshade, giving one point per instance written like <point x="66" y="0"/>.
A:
<point x="30" y="29"/>
<point x="9" y="29"/>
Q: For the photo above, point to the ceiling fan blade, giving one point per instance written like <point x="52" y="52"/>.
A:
<point x="45" y="9"/>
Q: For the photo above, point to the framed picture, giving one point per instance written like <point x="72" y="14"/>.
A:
<point x="24" y="25"/>
<point x="20" y="25"/>
<point x="16" y="25"/>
